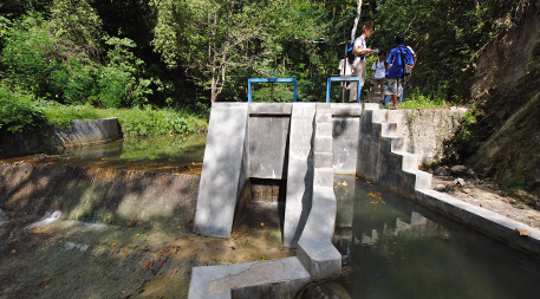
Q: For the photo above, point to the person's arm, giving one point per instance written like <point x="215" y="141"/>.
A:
<point x="360" y="50"/>
<point x="390" y="60"/>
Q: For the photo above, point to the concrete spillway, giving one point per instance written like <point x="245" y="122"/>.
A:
<point x="290" y="143"/>
<point x="302" y="146"/>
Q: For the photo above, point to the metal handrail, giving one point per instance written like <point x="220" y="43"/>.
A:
<point x="344" y="79"/>
<point x="252" y="81"/>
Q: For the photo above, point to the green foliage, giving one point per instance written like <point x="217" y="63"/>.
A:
<point x="74" y="81"/>
<point x="135" y="122"/>
<point x="81" y="51"/>
<point x="446" y="34"/>
<point x="77" y="27"/>
<point x="420" y="101"/>
<point x="29" y="54"/>
<point x="120" y="82"/>
<point x="17" y="112"/>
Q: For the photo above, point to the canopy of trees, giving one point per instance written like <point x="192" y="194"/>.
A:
<point x="191" y="52"/>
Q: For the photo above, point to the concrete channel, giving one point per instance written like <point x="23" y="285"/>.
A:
<point x="302" y="146"/>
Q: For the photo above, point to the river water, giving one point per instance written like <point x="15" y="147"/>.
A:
<point x="397" y="249"/>
<point x="156" y="154"/>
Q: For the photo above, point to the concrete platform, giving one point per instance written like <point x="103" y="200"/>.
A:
<point x="273" y="279"/>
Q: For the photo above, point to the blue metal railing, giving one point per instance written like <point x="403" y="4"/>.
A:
<point x="252" y="81"/>
<point x="344" y="79"/>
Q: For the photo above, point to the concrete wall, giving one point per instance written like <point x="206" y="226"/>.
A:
<point x="384" y="159"/>
<point x="53" y="140"/>
<point x="426" y="130"/>
<point x="30" y="189"/>
<point x="224" y="174"/>
<point x="267" y="145"/>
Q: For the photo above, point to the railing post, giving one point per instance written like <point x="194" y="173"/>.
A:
<point x="344" y="79"/>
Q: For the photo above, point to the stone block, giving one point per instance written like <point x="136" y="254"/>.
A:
<point x="280" y="278"/>
<point x="320" y="258"/>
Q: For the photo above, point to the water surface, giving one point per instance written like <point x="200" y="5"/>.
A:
<point x="397" y="249"/>
<point x="163" y="154"/>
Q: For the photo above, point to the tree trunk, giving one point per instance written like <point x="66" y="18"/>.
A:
<point x="359" y="4"/>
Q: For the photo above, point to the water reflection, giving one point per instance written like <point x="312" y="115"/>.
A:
<point x="419" y="227"/>
<point x="164" y="154"/>
<point x="397" y="249"/>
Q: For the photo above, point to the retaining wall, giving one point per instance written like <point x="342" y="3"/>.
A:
<point x="54" y="140"/>
<point x="383" y="158"/>
<point x="31" y="189"/>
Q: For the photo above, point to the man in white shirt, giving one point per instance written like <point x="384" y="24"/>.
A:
<point x="360" y="51"/>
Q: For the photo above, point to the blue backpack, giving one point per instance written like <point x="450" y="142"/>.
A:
<point x="349" y="51"/>
<point x="407" y="60"/>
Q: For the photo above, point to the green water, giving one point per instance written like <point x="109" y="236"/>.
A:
<point x="397" y="249"/>
<point x="167" y="153"/>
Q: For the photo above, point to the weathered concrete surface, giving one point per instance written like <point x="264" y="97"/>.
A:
<point x="516" y="234"/>
<point x="98" y="194"/>
<point x="310" y="215"/>
<point x="346" y="141"/>
<point x="271" y="109"/>
<point x="300" y="172"/>
<point x="85" y="132"/>
<point x="223" y="175"/>
<point x="274" y="279"/>
<point x="426" y="130"/>
<point x="53" y="140"/>
<point x="383" y="160"/>
<point x="267" y="145"/>
<point x="315" y="249"/>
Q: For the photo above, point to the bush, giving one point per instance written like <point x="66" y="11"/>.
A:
<point x="121" y="82"/>
<point x="135" y="121"/>
<point x="420" y="101"/>
<point x="17" y="112"/>
<point x="28" y="55"/>
<point x="74" y="81"/>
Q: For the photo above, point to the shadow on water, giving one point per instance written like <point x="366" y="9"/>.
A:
<point x="397" y="249"/>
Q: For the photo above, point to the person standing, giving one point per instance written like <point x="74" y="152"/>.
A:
<point x="379" y="74"/>
<point x="399" y="63"/>
<point x="360" y="51"/>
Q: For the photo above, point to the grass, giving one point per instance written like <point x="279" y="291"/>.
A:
<point x="417" y="101"/>
<point x="135" y="121"/>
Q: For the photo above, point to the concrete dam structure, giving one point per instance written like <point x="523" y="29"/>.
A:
<point x="301" y="147"/>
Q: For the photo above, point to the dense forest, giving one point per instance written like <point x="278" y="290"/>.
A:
<point x="63" y="59"/>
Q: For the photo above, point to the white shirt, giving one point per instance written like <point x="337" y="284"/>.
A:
<point x="359" y="42"/>
<point x="380" y="70"/>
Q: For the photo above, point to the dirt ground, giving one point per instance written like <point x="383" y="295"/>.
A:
<point x="72" y="259"/>
<point x="489" y="196"/>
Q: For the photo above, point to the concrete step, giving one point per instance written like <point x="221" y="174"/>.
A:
<point x="389" y="130"/>
<point x="410" y="161"/>
<point x="273" y="279"/>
